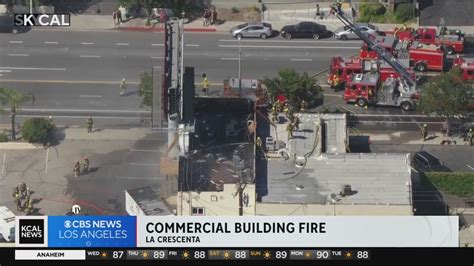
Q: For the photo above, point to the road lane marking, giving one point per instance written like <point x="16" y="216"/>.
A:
<point x="18" y="55"/>
<point x="192" y="45"/>
<point x="89" y="56"/>
<point x="140" y="150"/>
<point x="35" y="68"/>
<point x="84" y="117"/>
<point x="83" y="111"/>
<point x="5" y="71"/>
<point x="143" y="164"/>
<point x="302" y="60"/>
<point x="470" y="167"/>
<point x="156" y="57"/>
<point x="229" y="58"/>
<point x="332" y="95"/>
<point x="16" y="42"/>
<point x="122" y="44"/>
<point x="90" y="96"/>
<point x="157" y="44"/>
<point x="87" y="43"/>
<point x="51" y="42"/>
<point x="286" y="41"/>
<point x="135" y="177"/>
<point x="69" y="81"/>
<point x="288" y="47"/>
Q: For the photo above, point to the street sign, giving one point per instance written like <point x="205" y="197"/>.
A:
<point x="76" y="209"/>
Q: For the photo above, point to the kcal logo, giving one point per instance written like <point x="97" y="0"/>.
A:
<point x="42" y="20"/>
<point x="31" y="231"/>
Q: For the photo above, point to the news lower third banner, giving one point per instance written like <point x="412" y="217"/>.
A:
<point x="246" y="231"/>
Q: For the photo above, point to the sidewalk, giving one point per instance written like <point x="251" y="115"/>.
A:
<point x="102" y="134"/>
<point x="408" y="137"/>
<point x="278" y="19"/>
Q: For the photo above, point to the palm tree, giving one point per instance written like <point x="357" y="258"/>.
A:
<point x="14" y="99"/>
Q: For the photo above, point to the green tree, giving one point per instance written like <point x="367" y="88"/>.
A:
<point x="37" y="130"/>
<point x="295" y="87"/>
<point x="404" y="12"/>
<point x="446" y="95"/>
<point x="14" y="99"/>
<point x="145" y="89"/>
<point x="148" y="5"/>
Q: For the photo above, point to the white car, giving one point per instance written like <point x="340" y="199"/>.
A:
<point x="344" y="33"/>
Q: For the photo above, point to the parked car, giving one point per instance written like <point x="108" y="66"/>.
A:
<point x="424" y="161"/>
<point x="7" y="25"/>
<point x="305" y="29"/>
<point x="345" y="33"/>
<point x="252" y="29"/>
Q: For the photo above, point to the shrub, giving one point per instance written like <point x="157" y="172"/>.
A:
<point x="404" y="12"/>
<point x="370" y="10"/>
<point x="37" y="130"/>
<point x="454" y="183"/>
<point x="3" y="137"/>
<point x="235" y="10"/>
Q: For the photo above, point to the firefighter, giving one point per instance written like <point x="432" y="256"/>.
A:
<point x="258" y="142"/>
<point x="77" y="169"/>
<point x="304" y="105"/>
<point x="289" y="129"/>
<point x="274" y="115"/>
<point x="339" y="7"/>
<point x="123" y="87"/>
<point x="470" y="136"/>
<point x="28" y="192"/>
<point x="29" y="208"/>
<point x="296" y="122"/>
<point x="85" y="165"/>
<point x="424" y="131"/>
<point x="16" y="192"/>
<point x="205" y="84"/>
<point x="90" y="124"/>
<point x="18" y="204"/>
<point x="22" y="187"/>
<point x="443" y="30"/>
<point x="286" y="109"/>
<point x="335" y="82"/>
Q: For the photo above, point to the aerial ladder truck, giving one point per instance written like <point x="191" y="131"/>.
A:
<point x="368" y="88"/>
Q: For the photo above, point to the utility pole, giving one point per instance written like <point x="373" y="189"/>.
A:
<point x="31" y="6"/>
<point x="240" y="68"/>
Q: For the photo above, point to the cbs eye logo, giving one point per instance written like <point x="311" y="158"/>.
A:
<point x="67" y="224"/>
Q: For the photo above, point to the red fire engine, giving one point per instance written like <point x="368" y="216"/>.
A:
<point x="422" y="57"/>
<point x="467" y="67"/>
<point x="368" y="88"/>
<point x="365" y="89"/>
<point x="451" y="43"/>
<point x="344" y="68"/>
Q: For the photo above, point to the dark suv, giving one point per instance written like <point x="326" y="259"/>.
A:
<point x="305" y="29"/>
<point x="7" y="25"/>
<point x="424" y="161"/>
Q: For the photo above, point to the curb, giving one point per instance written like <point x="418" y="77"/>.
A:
<point x="18" y="146"/>
<point x="153" y="29"/>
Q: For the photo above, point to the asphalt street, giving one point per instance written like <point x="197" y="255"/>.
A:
<point x="77" y="74"/>
<point x="110" y="56"/>
<point x="456" y="158"/>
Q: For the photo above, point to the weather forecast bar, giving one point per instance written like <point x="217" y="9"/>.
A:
<point x="195" y="254"/>
<point x="50" y="254"/>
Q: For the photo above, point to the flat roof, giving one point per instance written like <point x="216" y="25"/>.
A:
<point x="375" y="178"/>
<point x="149" y="200"/>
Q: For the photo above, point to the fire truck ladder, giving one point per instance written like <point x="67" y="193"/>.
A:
<point x="382" y="52"/>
